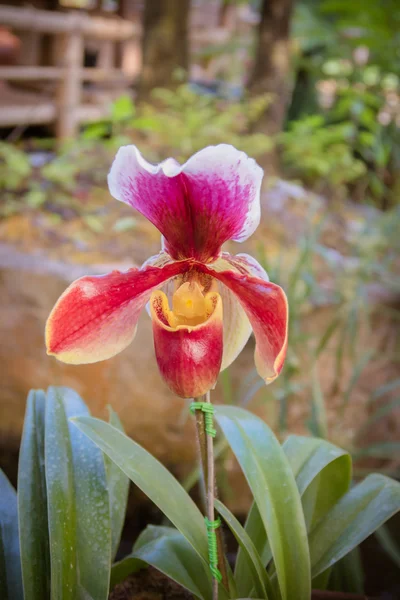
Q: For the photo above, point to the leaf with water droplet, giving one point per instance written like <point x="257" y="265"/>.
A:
<point x="267" y="469"/>
<point x="61" y="500"/>
<point x="10" y="569"/>
<point x="32" y="501"/>
<point x="92" y="503"/>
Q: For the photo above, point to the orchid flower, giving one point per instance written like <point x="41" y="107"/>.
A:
<point x="203" y="302"/>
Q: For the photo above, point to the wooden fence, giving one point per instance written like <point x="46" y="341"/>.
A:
<point x="72" y="29"/>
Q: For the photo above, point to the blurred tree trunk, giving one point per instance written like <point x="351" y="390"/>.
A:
<point x="165" y="43"/>
<point x="223" y="13"/>
<point x="271" y="72"/>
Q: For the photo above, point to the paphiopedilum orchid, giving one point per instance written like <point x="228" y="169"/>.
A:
<point x="216" y="299"/>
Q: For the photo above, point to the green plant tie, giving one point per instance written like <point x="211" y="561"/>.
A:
<point x="208" y="410"/>
<point x="213" y="548"/>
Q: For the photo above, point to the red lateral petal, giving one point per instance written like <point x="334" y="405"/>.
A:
<point x="266" y="307"/>
<point x="189" y="358"/>
<point x="96" y="317"/>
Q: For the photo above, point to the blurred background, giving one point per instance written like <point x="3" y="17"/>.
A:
<point x="310" y="88"/>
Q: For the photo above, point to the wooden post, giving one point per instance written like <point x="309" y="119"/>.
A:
<point x="129" y="51"/>
<point x="106" y="55"/>
<point x="69" y="89"/>
<point x="30" y="48"/>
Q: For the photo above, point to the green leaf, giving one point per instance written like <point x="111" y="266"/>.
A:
<point x="385" y="389"/>
<point x="256" y="532"/>
<point x="35" y="198"/>
<point x="32" y="502"/>
<point x="10" y="563"/>
<point x="118" y="488"/>
<point x="357" y="514"/>
<point x="92" y="503"/>
<point x="123" y="568"/>
<point x="357" y="371"/>
<point x="152" y="478"/>
<point x="257" y="572"/>
<point x="325" y="338"/>
<point x="122" y="109"/>
<point x="318" y="461"/>
<point x="379" y="450"/>
<point x="3" y="572"/>
<point x="317" y="423"/>
<point x="61" y="500"/>
<point x="323" y="475"/>
<point x="168" y="551"/>
<point x="95" y="131"/>
<point x="271" y="480"/>
<point x="321" y="581"/>
<point x="94" y="222"/>
<point x="382" y="412"/>
<point x="347" y="575"/>
<point x="125" y="224"/>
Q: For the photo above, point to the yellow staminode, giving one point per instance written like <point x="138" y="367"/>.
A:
<point x="188" y="305"/>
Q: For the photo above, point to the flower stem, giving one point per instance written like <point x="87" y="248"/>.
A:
<point x="206" y="451"/>
<point x="211" y="488"/>
<point x="202" y="445"/>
